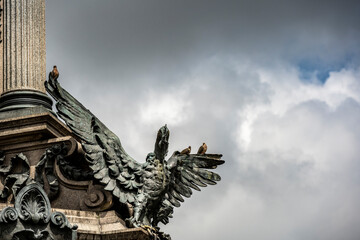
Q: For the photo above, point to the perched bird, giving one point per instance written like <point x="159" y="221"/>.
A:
<point x="54" y="73"/>
<point x="152" y="188"/>
<point x="186" y="151"/>
<point x="202" y="149"/>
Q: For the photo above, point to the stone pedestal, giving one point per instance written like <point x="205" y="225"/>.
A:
<point x="35" y="136"/>
<point x="102" y="226"/>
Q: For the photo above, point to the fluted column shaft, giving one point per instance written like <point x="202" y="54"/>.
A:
<point x="24" y="55"/>
<point x="24" y="49"/>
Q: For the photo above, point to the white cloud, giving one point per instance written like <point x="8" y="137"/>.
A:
<point x="173" y="108"/>
<point x="297" y="177"/>
<point x="301" y="157"/>
<point x="291" y="147"/>
<point x="288" y="91"/>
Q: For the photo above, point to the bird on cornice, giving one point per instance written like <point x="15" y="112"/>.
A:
<point x="54" y="73"/>
<point x="186" y="151"/>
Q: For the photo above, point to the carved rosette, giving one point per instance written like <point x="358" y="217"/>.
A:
<point x="97" y="199"/>
<point x="31" y="218"/>
<point x="59" y="219"/>
<point x="8" y="214"/>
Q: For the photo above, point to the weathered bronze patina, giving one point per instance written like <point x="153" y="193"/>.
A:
<point x="80" y="168"/>
<point x="150" y="190"/>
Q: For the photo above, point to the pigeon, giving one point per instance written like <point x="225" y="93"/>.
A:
<point x="186" y="151"/>
<point x="202" y="149"/>
<point x="54" y="73"/>
<point x="152" y="188"/>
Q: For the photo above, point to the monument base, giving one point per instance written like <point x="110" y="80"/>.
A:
<point x="24" y="99"/>
<point x="101" y="225"/>
<point x="27" y="138"/>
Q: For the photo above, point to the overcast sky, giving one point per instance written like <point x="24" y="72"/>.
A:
<point x="272" y="85"/>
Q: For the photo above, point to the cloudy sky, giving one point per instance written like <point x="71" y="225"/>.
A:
<point x="273" y="85"/>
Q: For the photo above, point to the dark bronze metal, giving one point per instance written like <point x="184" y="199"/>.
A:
<point x="154" y="188"/>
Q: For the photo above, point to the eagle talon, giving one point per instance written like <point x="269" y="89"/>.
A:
<point x="132" y="223"/>
<point x="153" y="232"/>
<point x="152" y="188"/>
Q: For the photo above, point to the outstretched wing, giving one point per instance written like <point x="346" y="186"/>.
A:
<point x="189" y="172"/>
<point x="110" y="163"/>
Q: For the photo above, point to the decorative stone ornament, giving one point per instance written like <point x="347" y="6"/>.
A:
<point x="31" y="218"/>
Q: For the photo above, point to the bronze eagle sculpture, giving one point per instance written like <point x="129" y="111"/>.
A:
<point x="152" y="188"/>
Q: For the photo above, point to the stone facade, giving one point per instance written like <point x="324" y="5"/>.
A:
<point x="85" y="204"/>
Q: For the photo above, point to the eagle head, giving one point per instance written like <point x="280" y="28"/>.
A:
<point x="150" y="157"/>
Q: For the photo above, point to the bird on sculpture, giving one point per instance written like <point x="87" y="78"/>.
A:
<point x="54" y="73"/>
<point x="202" y="149"/>
<point x="186" y="151"/>
<point x="153" y="188"/>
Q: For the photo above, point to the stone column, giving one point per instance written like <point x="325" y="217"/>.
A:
<point x="24" y="55"/>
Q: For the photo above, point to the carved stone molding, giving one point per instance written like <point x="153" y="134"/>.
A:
<point x="31" y="132"/>
<point x="16" y="174"/>
<point x="46" y="167"/>
<point x="32" y="205"/>
<point x="97" y="199"/>
<point x="94" y="199"/>
<point x="31" y="218"/>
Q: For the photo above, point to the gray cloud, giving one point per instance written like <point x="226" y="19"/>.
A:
<point x="155" y="39"/>
<point x="227" y="73"/>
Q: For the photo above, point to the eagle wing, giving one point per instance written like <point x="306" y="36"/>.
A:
<point x="188" y="172"/>
<point x="111" y="165"/>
